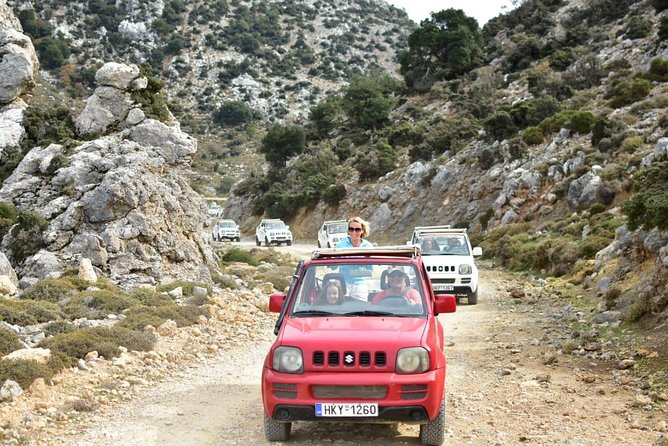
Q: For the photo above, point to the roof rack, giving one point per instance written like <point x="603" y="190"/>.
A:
<point x="377" y="251"/>
<point x="446" y="229"/>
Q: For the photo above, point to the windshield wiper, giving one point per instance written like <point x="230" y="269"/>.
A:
<point x="313" y="313"/>
<point x="371" y="313"/>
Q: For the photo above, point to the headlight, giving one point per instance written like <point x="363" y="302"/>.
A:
<point x="288" y="360"/>
<point x="465" y="269"/>
<point x="412" y="360"/>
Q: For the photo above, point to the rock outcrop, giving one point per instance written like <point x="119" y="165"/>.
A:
<point x="18" y="70"/>
<point x="120" y="200"/>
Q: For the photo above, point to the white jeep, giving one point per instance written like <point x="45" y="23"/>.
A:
<point x="226" y="230"/>
<point x="272" y="231"/>
<point x="331" y="232"/>
<point x="449" y="259"/>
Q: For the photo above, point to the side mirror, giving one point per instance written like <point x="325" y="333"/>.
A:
<point x="276" y="302"/>
<point x="477" y="251"/>
<point x="287" y="227"/>
<point x="445" y="303"/>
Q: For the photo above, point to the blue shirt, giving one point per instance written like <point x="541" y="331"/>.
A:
<point x="346" y="242"/>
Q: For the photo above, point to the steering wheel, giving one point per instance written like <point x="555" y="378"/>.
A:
<point x="393" y="300"/>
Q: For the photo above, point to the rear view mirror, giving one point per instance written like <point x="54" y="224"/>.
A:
<point x="445" y="303"/>
<point x="477" y="251"/>
<point x="276" y="302"/>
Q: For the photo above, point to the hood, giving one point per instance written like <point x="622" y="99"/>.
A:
<point x="354" y="333"/>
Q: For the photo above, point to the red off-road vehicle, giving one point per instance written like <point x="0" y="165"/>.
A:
<point x="372" y="356"/>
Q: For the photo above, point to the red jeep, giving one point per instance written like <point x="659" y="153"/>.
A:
<point x="358" y="341"/>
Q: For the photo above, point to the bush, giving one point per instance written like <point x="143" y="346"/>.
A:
<point x="533" y="136"/>
<point x="238" y="255"/>
<point x="150" y="297"/>
<point x="151" y="99"/>
<point x="24" y="372"/>
<point x="8" y="217"/>
<point x="648" y="206"/>
<point x="76" y="344"/>
<point x="26" y="237"/>
<point x="233" y="113"/>
<point x="187" y="287"/>
<point x="50" y="290"/>
<point x="57" y="327"/>
<point x="333" y="194"/>
<point x="376" y="162"/>
<point x="9" y="341"/>
<point x="139" y="317"/>
<point x="628" y="92"/>
<point x="28" y="312"/>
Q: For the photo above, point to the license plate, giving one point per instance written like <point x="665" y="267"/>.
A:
<point x="444" y="287"/>
<point x="346" y="409"/>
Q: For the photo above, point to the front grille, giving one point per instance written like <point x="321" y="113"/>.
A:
<point x="368" y="392"/>
<point x="440" y="268"/>
<point x="349" y="359"/>
<point x="414" y="392"/>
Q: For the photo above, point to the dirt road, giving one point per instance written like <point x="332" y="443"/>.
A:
<point x="506" y="385"/>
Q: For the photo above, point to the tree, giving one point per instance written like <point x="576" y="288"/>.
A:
<point x="233" y="113"/>
<point x="443" y="47"/>
<point x="282" y="142"/>
<point x="368" y="100"/>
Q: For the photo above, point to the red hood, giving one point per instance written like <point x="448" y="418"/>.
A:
<point x="354" y="333"/>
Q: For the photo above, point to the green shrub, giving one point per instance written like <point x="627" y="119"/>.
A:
<point x="104" y="340"/>
<point x="596" y="208"/>
<point x="533" y="136"/>
<point x="96" y="304"/>
<point x="403" y="134"/>
<point x="140" y="316"/>
<point x="500" y="126"/>
<point x="637" y="28"/>
<point x="56" y="327"/>
<point x="333" y="194"/>
<point x="150" y="297"/>
<point x="628" y="92"/>
<point x="648" y="206"/>
<point x="593" y="244"/>
<point x="8" y="217"/>
<point x="51" y="290"/>
<point x="279" y="277"/>
<point x="582" y="121"/>
<point x="485" y="217"/>
<point x="376" y="162"/>
<point x="234" y="113"/>
<point x="28" y="312"/>
<point x="24" y="372"/>
<point x="26" y="237"/>
<point x="9" y="341"/>
<point x="151" y="99"/>
<point x="238" y="255"/>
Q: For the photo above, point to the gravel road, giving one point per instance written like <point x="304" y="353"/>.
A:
<point x="506" y="385"/>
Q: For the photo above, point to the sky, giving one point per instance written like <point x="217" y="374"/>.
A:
<point x="481" y="10"/>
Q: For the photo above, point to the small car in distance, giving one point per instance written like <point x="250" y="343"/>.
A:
<point x="331" y="232"/>
<point x="377" y="358"/>
<point x="215" y="210"/>
<point x="272" y="230"/>
<point x="226" y="230"/>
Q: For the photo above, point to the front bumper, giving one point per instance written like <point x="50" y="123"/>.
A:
<point x="412" y="399"/>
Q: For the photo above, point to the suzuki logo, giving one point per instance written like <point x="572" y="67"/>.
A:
<point x="349" y="358"/>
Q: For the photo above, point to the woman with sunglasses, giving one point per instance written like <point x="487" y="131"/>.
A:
<point x="356" y="286"/>
<point x="358" y="230"/>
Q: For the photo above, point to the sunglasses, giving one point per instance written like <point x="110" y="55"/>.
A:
<point x="355" y="229"/>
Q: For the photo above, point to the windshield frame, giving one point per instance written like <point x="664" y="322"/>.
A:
<point x="307" y="297"/>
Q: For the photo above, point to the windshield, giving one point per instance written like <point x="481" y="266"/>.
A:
<point x="443" y="244"/>
<point x="226" y="224"/>
<point x="275" y="225"/>
<point x="337" y="228"/>
<point x="359" y="289"/>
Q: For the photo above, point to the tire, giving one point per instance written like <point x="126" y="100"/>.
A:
<point x="238" y="239"/>
<point x="473" y="298"/>
<point x="319" y="244"/>
<point x="329" y="245"/>
<point x="266" y="242"/>
<point x="289" y="243"/>
<point x="275" y="431"/>
<point x="257" y="241"/>
<point x="433" y="433"/>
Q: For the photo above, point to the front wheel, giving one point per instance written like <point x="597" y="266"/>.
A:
<point x="319" y="246"/>
<point x="473" y="298"/>
<point x="433" y="433"/>
<point x="275" y="431"/>
<point x="257" y="241"/>
<point x="289" y="243"/>
<point x="238" y="239"/>
<point x="266" y="242"/>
